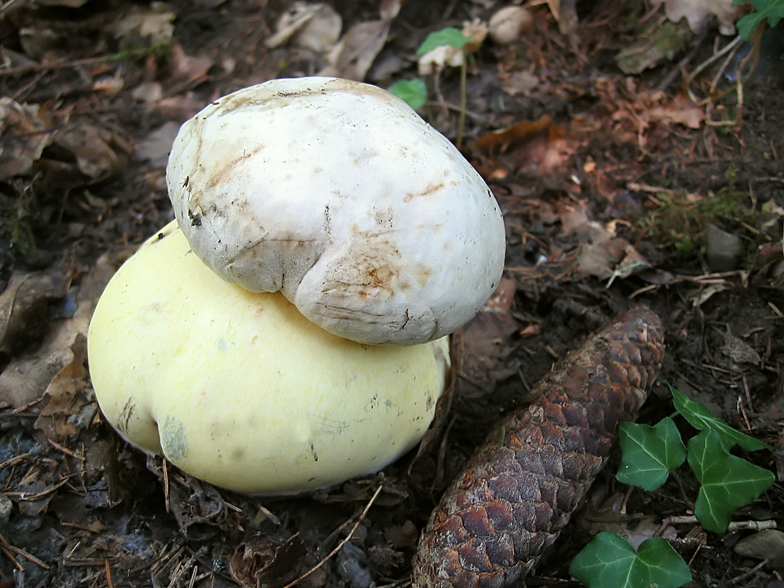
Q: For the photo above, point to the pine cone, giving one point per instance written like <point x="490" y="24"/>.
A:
<point x="520" y="487"/>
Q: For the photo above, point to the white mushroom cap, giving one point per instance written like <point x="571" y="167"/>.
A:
<point x="340" y="196"/>
<point x="239" y="389"/>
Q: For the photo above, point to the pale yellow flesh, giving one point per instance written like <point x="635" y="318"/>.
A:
<point x="239" y="389"/>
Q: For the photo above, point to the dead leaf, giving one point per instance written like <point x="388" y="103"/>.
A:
<point x="610" y="516"/>
<point x="154" y="26"/>
<point x="155" y="147"/>
<point x="483" y="342"/>
<point x="680" y="111"/>
<point x="520" y="82"/>
<point x="292" y="21"/>
<point x="565" y="12"/>
<point x="68" y="410"/>
<point x="268" y="562"/>
<point x="502" y="140"/>
<point x="641" y="116"/>
<point x="25" y="131"/>
<point x="539" y="147"/>
<point x="389" y="9"/>
<point x="738" y="350"/>
<point x="196" y="505"/>
<point x="601" y="253"/>
<point x="39" y="43"/>
<point x="311" y="26"/>
<point x="322" y="32"/>
<point x="354" y="54"/>
<point x="34" y="498"/>
<point x="402" y="537"/>
<point x="509" y="23"/>
<point x="698" y="12"/>
<point x="181" y="106"/>
<point x="148" y="92"/>
<point x="100" y="154"/>
<point x="659" y="42"/>
<point x="186" y="69"/>
<point x="26" y="378"/>
<point x="23" y="308"/>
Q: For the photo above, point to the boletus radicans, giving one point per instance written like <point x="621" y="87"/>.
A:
<point x="290" y="329"/>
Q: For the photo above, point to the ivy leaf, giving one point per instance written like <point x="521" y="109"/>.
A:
<point x="609" y="561"/>
<point x="773" y="10"/>
<point x="728" y="482"/>
<point x="447" y="36"/>
<point x="412" y="92"/>
<point x="649" y="454"/>
<point x="699" y="417"/>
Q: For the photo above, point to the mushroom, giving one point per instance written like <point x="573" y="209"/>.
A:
<point x="340" y="196"/>
<point x="239" y="389"/>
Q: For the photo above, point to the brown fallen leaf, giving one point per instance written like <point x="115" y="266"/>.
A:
<point x="483" y="342"/>
<point x="540" y="146"/>
<point x="355" y="52"/>
<point x="26" y="377"/>
<point x="154" y="26"/>
<point x="100" y="153"/>
<point x="69" y="408"/>
<point x="25" y="131"/>
<point x="681" y="110"/>
<point x="314" y="26"/>
<point x="565" y="12"/>
<point x="267" y="561"/>
<point x="185" y="70"/>
<point x="155" y="147"/>
<point x="698" y="12"/>
<point x="601" y="253"/>
<point x="24" y="308"/>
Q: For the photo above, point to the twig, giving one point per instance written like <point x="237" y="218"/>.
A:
<point x="166" y="486"/>
<point x="750" y="573"/>
<point x="341" y="544"/>
<point x="108" y="568"/>
<point x="733" y="526"/>
<point x="14" y="460"/>
<point x="44" y="67"/>
<point x="9" y="5"/>
<point x="729" y="47"/>
<point x="25" y="497"/>
<point x="6" y="547"/>
<point x="66" y="450"/>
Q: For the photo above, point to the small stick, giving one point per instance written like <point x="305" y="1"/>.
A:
<point x="166" y="486"/>
<point x="342" y="543"/>
<point x="108" y="568"/>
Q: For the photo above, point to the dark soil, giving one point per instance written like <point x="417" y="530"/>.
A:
<point x="87" y="510"/>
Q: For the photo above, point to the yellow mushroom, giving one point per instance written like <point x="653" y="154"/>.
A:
<point x="239" y="389"/>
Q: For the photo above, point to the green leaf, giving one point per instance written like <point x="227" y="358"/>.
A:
<point x="413" y="92"/>
<point x="448" y="36"/>
<point x="773" y="10"/>
<point x="728" y="482"/>
<point x="649" y="454"/>
<point x="699" y="417"/>
<point x="609" y="561"/>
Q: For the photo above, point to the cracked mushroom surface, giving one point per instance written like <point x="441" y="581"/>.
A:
<point x="339" y="195"/>
<point x="239" y="389"/>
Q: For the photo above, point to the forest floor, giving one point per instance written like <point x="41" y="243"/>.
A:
<point x="662" y="186"/>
